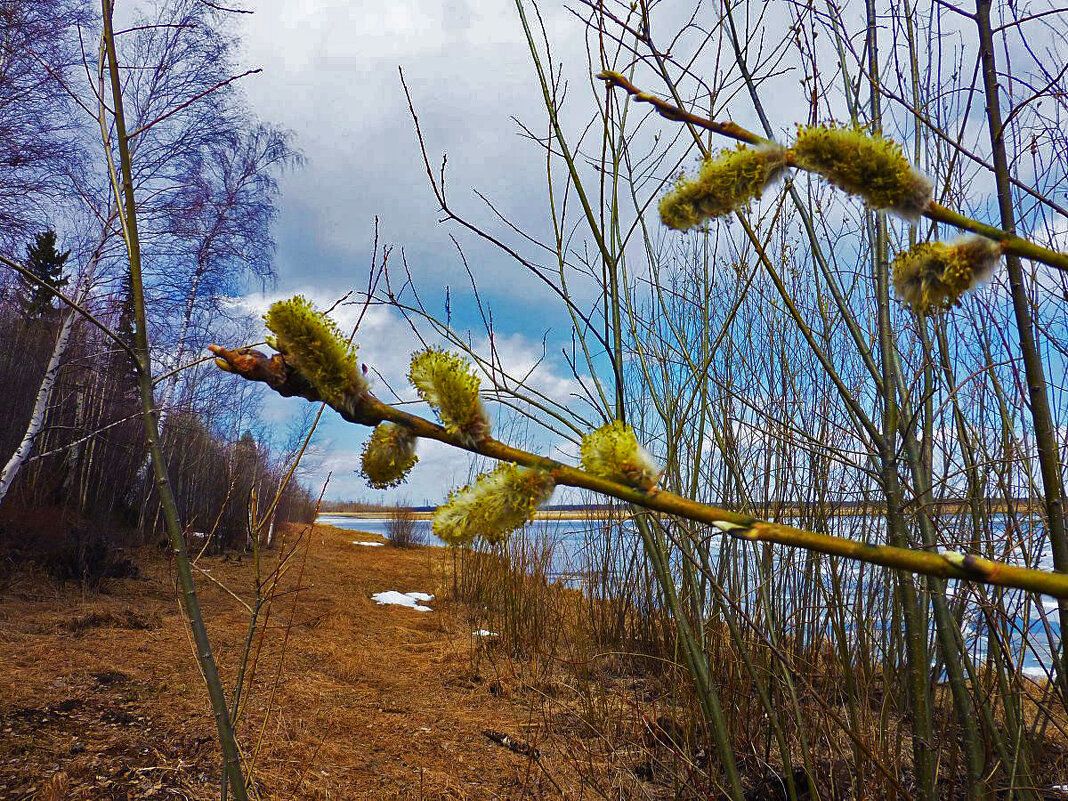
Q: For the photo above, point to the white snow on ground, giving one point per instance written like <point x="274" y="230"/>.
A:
<point x="1036" y="672"/>
<point x="484" y="633"/>
<point x="368" y="544"/>
<point x="409" y="599"/>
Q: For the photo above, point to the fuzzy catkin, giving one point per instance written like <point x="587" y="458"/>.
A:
<point x="612" y="451"/>
<point x="873" y="167"/>
<point x="934" y="275"/>
<point x="449" y="384"/>
<point x="494" y="506"/>
<point x="725" y="183"/>
<point x="388" y="456"/>
<point x="314" y="347"/>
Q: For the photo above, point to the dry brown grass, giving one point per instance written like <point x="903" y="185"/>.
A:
<point x="100" y="697"/>
<point x="603" y="678"/>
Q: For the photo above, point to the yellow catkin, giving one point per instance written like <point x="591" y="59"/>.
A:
<point x="612" y="451"/>
<point x="873" y="167"/>
<point x="934" y="275"/>
<point x="725" y="183"/>
<point x="449" y="384"/>
<point x="494" y="506"/>
<point x="388" y="456"/>
<point x="315" y="348"/>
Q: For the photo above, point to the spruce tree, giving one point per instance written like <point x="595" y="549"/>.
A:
<point x="124" y="328"/>
<point x="45" y="262"/>
<point x="122" y="368"/>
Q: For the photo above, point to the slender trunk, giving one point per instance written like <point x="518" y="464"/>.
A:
<point x="696" y="659"/>
<point x="947" y="632"/>
<point x="1042" y="417"/>
<point x="228" y="743"/>
<point x="913" y="605"/>
<point x="72" y="457"/>
<point x="167" y="399"/>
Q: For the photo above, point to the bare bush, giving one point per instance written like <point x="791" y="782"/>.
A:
<point x="402" y="528"/>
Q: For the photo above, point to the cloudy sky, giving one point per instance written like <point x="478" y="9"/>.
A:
<point x="330" y="74"/>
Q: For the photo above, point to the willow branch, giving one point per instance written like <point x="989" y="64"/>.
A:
<point x="368" y="410"/>
<point x="935" y="211"/>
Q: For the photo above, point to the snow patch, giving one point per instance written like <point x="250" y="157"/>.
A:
<point x="368" y="544"/>
<point x="1036" y="672"/>
<point x="484" y="633"/>
<point x="408" y="599"/>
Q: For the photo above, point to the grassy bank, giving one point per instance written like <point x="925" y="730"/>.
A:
<point x="366" y="701"/>
<point x="808" y="700"/>
<point x="349" y="699"/>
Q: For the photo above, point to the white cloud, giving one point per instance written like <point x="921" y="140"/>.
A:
<point x="330" y="74"/>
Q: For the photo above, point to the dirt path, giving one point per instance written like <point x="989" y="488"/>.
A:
<point x="100" y="697"/>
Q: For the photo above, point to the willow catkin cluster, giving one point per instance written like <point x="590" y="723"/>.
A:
<point x="873" y="167"/>
<point x="725" y="183"/>
<point x="388" y="456"/>
<point x="612" y="451"/>
<point x="449" y="384"/>
<point x="934" y="275"/>
<point x="494" y="506"/>
<point x="314" y="346"/>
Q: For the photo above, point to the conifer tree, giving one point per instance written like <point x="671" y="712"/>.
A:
<point x="122" y="367"/>
<point x="47" y="263"/>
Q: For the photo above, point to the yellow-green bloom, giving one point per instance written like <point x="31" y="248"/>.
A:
<point x="449" y="384"/>
<point x="612" y="451"/>
<point x="873" y="167"/>
<point x="388" y="456"/>
<point x="725" y="183"/>
<point x="314" y="346"/>
<point x="494" y="506"/>
<point x="934" y="275"/>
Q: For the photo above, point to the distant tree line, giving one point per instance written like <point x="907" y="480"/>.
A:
<point x="72" y="450"/>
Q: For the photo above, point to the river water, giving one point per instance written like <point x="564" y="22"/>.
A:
<point x="1033" y="628"/>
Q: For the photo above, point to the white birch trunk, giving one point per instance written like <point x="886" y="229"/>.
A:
<point x="48" y="382"/>
<point x="164" y="406"/>
<point x="40" y="407"/>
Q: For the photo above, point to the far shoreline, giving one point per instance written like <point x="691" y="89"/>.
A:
<point x="549" y="514"/>
<point x="949" y="506"/>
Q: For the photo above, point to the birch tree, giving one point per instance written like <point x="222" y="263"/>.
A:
<point x="219" y="225"/>
<point x="68" y="316"/>
<point x="38" y="129"/>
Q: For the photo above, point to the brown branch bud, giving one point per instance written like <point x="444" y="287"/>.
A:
<point x="252" y="365"/>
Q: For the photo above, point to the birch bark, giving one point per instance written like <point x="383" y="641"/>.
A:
<point x="48" y="383"/>
<point x="40" y="406"/>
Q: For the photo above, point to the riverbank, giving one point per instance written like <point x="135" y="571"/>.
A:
<point x="101" y="698"/>
<point x="526" y="689"/>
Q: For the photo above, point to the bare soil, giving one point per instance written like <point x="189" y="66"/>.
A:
<point x="101" y="698"/>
